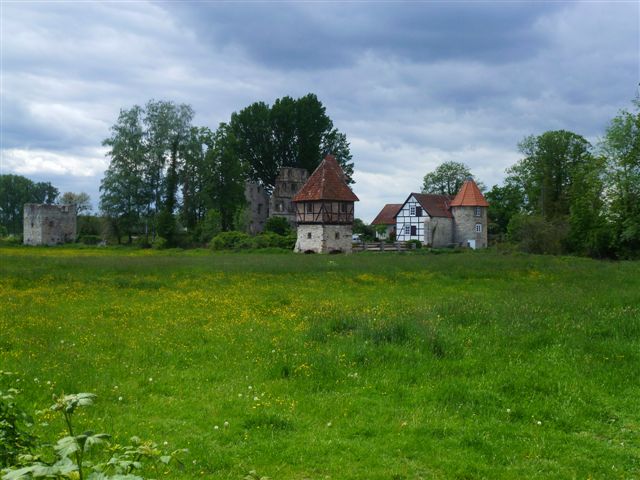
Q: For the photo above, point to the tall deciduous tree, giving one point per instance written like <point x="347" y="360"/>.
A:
<point x="194" y="177"/>
<point x="621" y="146"/>
<point x="81" y="200"/>
<point x="446" y="179"/>
<point x="547" y="171"/>
<point x="589" y="231"/>
<point x="291" y="133"/>
<point x="125" y="194"/>
<point x="15" y="191"/>
<point x="228" y="175"/>
<point x="504" y="202"/>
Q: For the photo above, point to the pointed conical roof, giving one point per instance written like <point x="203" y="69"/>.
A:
<point x="327" y="182"/>
<point x="469" y="196"/>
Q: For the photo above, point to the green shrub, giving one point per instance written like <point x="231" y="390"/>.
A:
<point x="12" y="240"/>
<point x="14" y="437"/>
<point x="90" y="225"/>
<point x="231" y="241"/>
<point x="209" y="227"/>
<point x="535" y="234"/>
<point x="3" y="231"/>
<point x="413" y="244"/>
<point x="89" y="239"/>
<point x="159" y="243"/>
<point x="75" y="456"/>
<point x="278" y="225"/>
<point x="242" y="241"/>
<point x="273" y="240"/>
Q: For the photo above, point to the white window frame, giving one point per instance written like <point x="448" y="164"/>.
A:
<point x="412" y="210"/>
<point x="478" y="228"/>
<point x="478" y="212"/>
<point x="407" y="229"/>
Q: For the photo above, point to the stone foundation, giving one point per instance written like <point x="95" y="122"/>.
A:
<point x="324" y="238"/>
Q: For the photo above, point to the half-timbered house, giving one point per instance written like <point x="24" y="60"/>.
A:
<point x="324" y="210"/>
<point x="441" y="220"/>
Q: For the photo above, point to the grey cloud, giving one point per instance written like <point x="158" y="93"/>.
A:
<point x="320" y="36"/>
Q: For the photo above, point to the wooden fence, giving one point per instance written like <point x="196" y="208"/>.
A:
<point x="381" y="247"/>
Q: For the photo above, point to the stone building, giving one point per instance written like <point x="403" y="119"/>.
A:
<point x="49" y="224"/>
<point x="441" y="220"/>
<point x="469" y="211"/>
<point x="257" y="207"/>
<point x="288" y="183"/>
<point x="324" y="210"/>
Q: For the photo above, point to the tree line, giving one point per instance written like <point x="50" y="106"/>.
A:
<point x="16" y="190"/>
<point x="167" y="176"/>
<point x="566" y="195"/>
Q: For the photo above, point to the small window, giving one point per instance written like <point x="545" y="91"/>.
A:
<point x="309" y="235"/>
<point x="407" y="229"/>
<point x="414" y="230"/>
<point x="478" y="212"/>
<point x="280" y="207"/>
<point x="478" y="228"/>
<point x="293" y="187"/>
<point x="418" y="211"/>
<point x="343" y="207"/>
<point x="309" y="207"/>
<point x="337" y="235"/>
<point x="412" y="210"/>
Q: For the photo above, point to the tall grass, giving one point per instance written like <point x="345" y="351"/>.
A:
<point x="365" y="366"/>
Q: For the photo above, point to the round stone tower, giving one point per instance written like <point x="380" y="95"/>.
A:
<point x="469" y="211"/>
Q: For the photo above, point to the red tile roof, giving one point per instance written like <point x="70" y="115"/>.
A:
<point x="434" y="205"/>
<point x="469" y="196"/>
<point x="387" y="215"/>
<point x="327" y="182"/>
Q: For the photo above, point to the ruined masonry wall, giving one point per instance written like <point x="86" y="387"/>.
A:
<point x="257" y="207"/>
<point x="49" y="224"/>
<point x="288" y="182"/>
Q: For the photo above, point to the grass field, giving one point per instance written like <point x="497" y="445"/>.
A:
<point x="369" y="366"/>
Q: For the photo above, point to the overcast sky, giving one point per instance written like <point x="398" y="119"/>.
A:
<point x="411" y="84"/>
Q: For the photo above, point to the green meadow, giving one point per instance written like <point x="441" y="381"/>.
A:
<point x="368" y="366"/>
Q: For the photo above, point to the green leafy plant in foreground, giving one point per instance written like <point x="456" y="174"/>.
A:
<point x="73" y="453"/>
<point x="14" y="437"/>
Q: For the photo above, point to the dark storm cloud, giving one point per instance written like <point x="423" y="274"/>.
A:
<point x="319" y="36"/>
<point x="411" y="84"/>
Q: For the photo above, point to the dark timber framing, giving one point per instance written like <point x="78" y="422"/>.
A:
<point x="325" y="212"/>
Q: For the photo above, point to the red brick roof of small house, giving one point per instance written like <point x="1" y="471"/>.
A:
<point x="387" y="215"/>
<point x="434" y="205"/>
<point x="327" y="182"/>
<point x="469" y="196"/>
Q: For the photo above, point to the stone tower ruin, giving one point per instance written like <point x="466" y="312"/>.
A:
<point x="288" y="183"/>
<point x="49" y="224"/>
